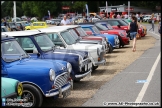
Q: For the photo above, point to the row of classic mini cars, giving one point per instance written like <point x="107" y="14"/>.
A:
<point x="47" y="60"/>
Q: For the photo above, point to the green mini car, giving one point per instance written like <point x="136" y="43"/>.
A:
<point x="11" y="88"/>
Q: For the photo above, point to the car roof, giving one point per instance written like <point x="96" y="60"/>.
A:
<point x="40" y="22"/>
<point x="4" y="36"/>
<point x="86" y="25"/>
<point x="22" y="33"/>
<point x="52" y="29"/>
<point x="67" y="26"/>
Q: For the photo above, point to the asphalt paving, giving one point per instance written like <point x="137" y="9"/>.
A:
<point x="137" y="85"/>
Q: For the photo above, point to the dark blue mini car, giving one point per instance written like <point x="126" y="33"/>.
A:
<point x="40" y="78"/>
<point x="39" y="45"/>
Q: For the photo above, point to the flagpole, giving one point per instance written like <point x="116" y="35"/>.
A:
<point x="14" y="11"/>
<point x="106" y="9"/>
<point x="128" y="8"/>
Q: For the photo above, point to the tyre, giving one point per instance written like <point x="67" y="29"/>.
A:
<point x="32" y="94"/>
<point x="94" y="67"/>
<point x="110" y="49"/>
<point x="77" y="80"/>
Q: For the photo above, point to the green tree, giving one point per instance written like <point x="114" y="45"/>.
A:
<point x="79" y="6"/>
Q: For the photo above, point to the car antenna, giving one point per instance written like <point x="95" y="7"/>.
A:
<point x="38" y="30"/>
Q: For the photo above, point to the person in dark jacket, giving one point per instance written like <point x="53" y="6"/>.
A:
<point x="133" y="27"/>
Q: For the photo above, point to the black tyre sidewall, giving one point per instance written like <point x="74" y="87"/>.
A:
<point x="38" y="98"/>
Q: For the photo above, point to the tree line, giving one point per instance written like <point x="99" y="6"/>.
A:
<point x="40" y="8"/>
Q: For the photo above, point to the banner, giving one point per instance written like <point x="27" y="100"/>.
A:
<point x="49" y="14"/>
<point x="87" y="10"/>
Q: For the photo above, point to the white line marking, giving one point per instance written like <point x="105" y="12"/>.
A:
<point x="144" y="88"/>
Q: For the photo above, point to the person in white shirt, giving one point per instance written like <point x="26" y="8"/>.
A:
<point x="157" y="17"/>
<point x="126" y="16"/>
<point x="118" y="16"/>
<point x="65" y="21"/>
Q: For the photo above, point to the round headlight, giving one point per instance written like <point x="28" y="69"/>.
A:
<point x="69" y="67"/>
<point x="19" y="88"/>
<point x="52" y="74"/>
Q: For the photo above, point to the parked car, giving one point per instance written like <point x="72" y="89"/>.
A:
<point x="11" y="88"/>
<point x="39" y="45"/>
<point x="79" y="39"/>
<point x="81" y="33"/>
<point x="113" y="40"/>
<point x="26" y="23"/>
<point x="20" y="26"/>
<point x="12" y="26"/>
<point x="55" y="22"/>
<point x="40" y="78"/>
<point x="64" y="40"/>
<point x="4" y="29"/>
<point x="122" y="35"/>
<point x="36" y="25"/>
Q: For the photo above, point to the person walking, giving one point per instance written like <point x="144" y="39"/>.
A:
<point x="133" y="27"/>
<point x="65" y="21"/>
<point x="159" y="27"/>
<point x="152" y="22"/>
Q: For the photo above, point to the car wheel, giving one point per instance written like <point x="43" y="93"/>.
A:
<point x="32" y="95"/>
<point x="94" y="67"/>
<point x="77" y="80"/>
<point x="110" y="49"/>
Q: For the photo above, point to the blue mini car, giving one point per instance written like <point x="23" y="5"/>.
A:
<point x="113" y="40"/>
<point x="40" y="78"/>
<point x="39" y="45"/>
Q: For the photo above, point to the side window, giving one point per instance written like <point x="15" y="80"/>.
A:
<point x="35" y="24"/>
<point x="27" y="44"/>
<point x="86" y="29"/>
<point x="55" y="39"/>
<point x="113" y="23"/>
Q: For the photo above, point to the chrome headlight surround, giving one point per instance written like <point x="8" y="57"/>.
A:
<point x="19" y="88"/>
<point x="52" y="74"/>
<point x="69" y="67"/>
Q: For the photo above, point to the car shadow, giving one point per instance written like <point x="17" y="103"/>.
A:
<point x="118" y="51"/>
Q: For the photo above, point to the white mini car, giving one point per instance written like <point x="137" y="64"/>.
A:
<point x="63" y="39"/>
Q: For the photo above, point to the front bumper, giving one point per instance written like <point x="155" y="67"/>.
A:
<point x="126" y="40"/>
<point x="117" y="43"/>
<point x="85" y="68"/>
<point x="11" y="96"/>
<point x="59" y="90"/>
<point x="102" y="59"/>
<point x="84" y="74"/>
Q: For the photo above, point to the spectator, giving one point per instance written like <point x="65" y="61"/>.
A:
<point x="133" y="27"/>
<point x="152" y="22"/>
<point x="159" y="27"/>
<point x="118" y="16"/>
<point x="65" y="21"/>
<point x="126" y="16"/>
<point x="141" y="18"/>
<point x="157" y="17"/>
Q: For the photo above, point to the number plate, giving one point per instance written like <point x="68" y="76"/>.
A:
<point x="66" y="93"/>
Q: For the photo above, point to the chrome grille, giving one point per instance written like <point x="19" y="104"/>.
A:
<point x="85" y="62"/>
<point x="61" y="80"/>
